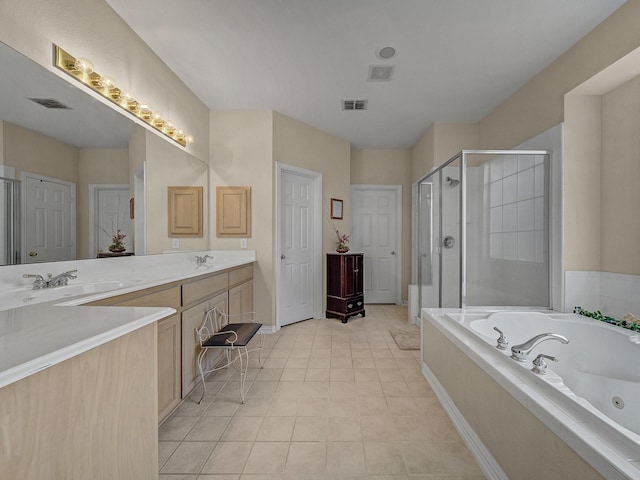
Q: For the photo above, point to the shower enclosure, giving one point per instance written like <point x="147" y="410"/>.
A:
<point x="483" y="230"/>
<point x="10" y="218"/>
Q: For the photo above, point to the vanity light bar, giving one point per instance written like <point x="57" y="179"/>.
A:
<point x="82" y="69"/>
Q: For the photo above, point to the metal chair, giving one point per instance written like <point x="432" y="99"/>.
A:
<point x="217" y="332"/>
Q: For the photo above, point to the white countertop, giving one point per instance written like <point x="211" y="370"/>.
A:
<point x="40" y="328"/>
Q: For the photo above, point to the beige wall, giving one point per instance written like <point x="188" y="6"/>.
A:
<point x="582" y="188"/>
<point x="90" y="28"/>
<point x="97" y="166"/>
<point x="451" y="138"/>
<point x="166" y="166"/>
<point x="538" y="105"/>
<point x="620" y="174"/>
<point x="242" y="155"/>
<point x="423" y="155"/>
<point x="439" y="143"/>
<point x="300" y="145"/>
<point x="32" y="152"/>
<point x="388" y="167"/>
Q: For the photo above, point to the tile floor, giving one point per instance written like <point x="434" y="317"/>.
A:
<point x="333" y="401"/>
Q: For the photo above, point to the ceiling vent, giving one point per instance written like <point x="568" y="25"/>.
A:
<point x="380" y="74"/>
<point x="50" y="103"/>
<point x="354" y="104"/>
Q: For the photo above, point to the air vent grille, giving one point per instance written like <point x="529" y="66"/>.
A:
<point x="354" y="104"/>
<point x="50" y="103"/>
<point x="380" y="74"/>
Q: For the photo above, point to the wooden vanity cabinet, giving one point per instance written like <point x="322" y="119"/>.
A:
<point x="169" y="339"/>
<point x="178" y="346"/>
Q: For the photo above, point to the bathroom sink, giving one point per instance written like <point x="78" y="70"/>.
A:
<point x="27" y="296"/>
<point x="80" y="289"/>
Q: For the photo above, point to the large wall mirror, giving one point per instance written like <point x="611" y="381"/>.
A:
<point x="69" y="154"/>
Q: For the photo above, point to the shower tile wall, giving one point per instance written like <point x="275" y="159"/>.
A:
<point x="517" y="208"/>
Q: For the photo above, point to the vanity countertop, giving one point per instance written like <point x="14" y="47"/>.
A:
<point x="51" y="325"/>
<point x="36" y="337"/>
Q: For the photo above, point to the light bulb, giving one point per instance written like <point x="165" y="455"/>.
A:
<point x="84" y="65"/>
<point x="107" y="82"/>
<point x="189" y="138"/>
<point x="157" y="120"/>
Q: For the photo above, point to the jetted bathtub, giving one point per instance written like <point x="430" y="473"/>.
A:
<point x="593" y="390"/>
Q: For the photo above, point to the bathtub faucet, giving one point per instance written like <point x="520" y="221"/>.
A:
<point x="520" y="352"/>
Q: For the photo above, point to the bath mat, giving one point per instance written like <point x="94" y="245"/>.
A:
<point x="407" y="338"/>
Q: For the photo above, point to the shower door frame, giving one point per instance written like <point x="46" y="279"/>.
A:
<point x="462" y="155"/>
<point x="12" y="234"/>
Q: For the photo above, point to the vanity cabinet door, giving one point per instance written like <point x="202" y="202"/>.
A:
<point x="241" y="299"/>
<point x="168" y="365"/>
<point x="192" y="319"/>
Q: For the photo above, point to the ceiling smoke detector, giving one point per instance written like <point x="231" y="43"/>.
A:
<point x="380" y="74"/>
<point x="50" y="103"/>
<point x="386" y="52"/>
<point x="354" y="104"/>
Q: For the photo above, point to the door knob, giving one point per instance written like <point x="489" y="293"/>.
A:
<point x="33" y="254"/>
<point x="283" y="256"/>
<point x="393" y="252"/>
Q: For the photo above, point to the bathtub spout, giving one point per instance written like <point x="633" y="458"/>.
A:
<point x="520" y="352"/>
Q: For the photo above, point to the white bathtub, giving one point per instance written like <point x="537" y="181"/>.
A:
<point x="597" y="373"/>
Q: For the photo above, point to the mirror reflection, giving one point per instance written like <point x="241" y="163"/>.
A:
<point x="70" y="154"/>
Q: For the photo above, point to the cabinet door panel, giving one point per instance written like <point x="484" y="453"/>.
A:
<point x="241" y="298"/>
<point x="192" y="319"/>
<point x="168" y="365"/>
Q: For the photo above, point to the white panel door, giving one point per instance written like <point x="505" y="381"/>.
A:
<point x="109" y="211"/>
<point x="376" y="234"/>
<point x="49" y="219"/>
<point x="296" y="248"/>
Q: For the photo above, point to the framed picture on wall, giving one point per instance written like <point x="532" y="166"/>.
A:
<point x="336" y="208"/>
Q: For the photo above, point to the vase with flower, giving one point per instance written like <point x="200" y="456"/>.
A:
<point x="116" y="242"/>
<point x="343" y="242"/>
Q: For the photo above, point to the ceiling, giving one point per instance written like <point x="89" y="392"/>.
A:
<point x="456" y="60"/>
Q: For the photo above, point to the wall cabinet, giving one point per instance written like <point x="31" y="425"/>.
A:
<point x="345" y="288"/>
<point x="231" y="291"/>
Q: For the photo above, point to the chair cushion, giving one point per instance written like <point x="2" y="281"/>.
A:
<point x="245" y="332"/>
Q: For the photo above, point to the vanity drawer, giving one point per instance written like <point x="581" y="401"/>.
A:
<point x="203" y="288"/>
<point x="169" y="297"/>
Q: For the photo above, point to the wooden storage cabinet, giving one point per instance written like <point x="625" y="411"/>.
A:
<point x="178" y="347"/>
<point x="345" y="288"/>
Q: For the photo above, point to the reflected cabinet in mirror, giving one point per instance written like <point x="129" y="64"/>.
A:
<point x="70" y="155"/>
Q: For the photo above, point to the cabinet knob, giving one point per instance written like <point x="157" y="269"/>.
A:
<point x="283" y="256"/>
<point x="393" y="252"/>
<point x="33" y="254"/>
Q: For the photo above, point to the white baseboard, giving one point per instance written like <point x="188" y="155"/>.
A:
<point x="487" y="463"/>
<point x="268" y="329"/>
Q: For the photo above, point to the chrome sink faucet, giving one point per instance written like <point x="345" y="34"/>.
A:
<point x="62" y="279"/>
<point x="39" y="281"/>
<point x="202" y="260"/>
<point x="520" y="352"/>
<point x="51" y="281"/>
